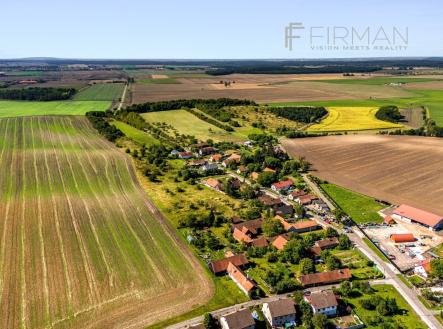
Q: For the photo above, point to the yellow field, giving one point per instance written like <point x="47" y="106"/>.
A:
<point x="351" y="118"/>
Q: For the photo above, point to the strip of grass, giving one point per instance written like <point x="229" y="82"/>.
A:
<point x="405" y="281"/>
<point x="23" y="108"/>
<point x="376" y="250"/>
<point x="378" y="80"/>
<point x="135" y="134"/>
<point x="408" y="319"/>
<point x="361" y="208"/>
<point x="101" y="92"/>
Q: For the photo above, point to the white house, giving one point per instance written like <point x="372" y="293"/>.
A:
<point x="323" y="302"/>
<point x="280" y="312"/>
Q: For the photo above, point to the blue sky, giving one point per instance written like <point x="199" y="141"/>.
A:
<point x="208" y="29"/>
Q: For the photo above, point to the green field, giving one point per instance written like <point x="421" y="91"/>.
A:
<point x="135" y="134"/>
<point x="407" y="320"/>
<point x="101" y="92"/>
<point x="378" y="80"/>
<point x="351" y="119"/>
<point x="23" y="108"/>
<point x="79" y="244"/>
<point x="163" y="81"/>
<point x="361" y="208"/>
<point x="188" y="124"/>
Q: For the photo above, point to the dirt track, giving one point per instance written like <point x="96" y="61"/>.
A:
<point x="398" y="169"/>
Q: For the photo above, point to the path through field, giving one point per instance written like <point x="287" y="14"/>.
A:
<point x="80" y="244"/>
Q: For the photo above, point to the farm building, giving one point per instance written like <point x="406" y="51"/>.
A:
<point x="221" y="266"/>
<point x="403" y="238"/>
<point x="280" y="313"/>
<point x="324" y="302"/>
<point x="419" y="216"/>
<point x="238" y="320"/>
<point x="323" y="278"/>
<point x="301" y="226"/>
<point x="241" y="280"/>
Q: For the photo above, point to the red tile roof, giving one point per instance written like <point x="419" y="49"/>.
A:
<point x="418" y="215"/>
<point x="389" y="220"/>
<point x="214" y="183"/>
<point x="283" y="184"/>
<point x="240" y="278"/>
<point x="325" y="277"/>
<point x="252" y="226"/>
<point x="305" y="224"/>
<point x="241" y="236"/>
<point x="401" y="238"/>
<point x="220" y="266"/>
<point x="280" y="241"/>
<point x="259" y="243"/>
<point x="269" y="201"/>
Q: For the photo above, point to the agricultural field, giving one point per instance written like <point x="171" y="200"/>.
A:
<point x="361" y="208"/>
<point x="379" y="80"/>
<point x="186" y="123"/>
<point x="397" y="169"/>
<point x="135" y="134"/>
<point x="163" y="81"/>
<point x="101" y="92"/>
<point x="351" y="119"/>
<point x="23" y="108"/>
<point x="80" y="244"/>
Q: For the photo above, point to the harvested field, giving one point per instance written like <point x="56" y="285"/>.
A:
<point x="80" y="244"/>
<point x="398" y="169"/>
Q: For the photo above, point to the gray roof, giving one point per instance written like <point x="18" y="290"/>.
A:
<point x="240" y="319"/>
<point x="322" y="299"/>
<point x="282" y="307"/>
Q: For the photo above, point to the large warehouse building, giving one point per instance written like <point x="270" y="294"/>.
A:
<point x="419" y="216"/>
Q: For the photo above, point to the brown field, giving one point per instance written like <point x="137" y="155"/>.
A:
<point x="398" y="169"/>
<point x="262" y="88"/>
<point x="81" y="246"/>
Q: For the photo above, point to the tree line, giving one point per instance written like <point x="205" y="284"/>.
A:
<point x="99" y="121"/>
<point x="305" y="114"/>
<point x="38" y="94"/>
<point x="389" y="113"/>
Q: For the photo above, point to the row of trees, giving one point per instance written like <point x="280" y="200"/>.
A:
<point x="389" y="113"/>
<point x="305" y="114"/>
<point x="38" y="94"/>
<point x="99" y="121"/>
<point x="210" y="120"/>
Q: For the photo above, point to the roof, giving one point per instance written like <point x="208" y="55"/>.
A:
<point x="216" y="157"/>
<point x="325" y="277"/>
<point x="242" y="168"/>
<point x="238" y="276"/>
<point x="322" y="299"/>
<point x="297" y="193"/>
<point x="389" y="220"/>
<point x="197" y="162"/>
<point x="284" y="210"/>
<point x="252" y="226"/>
<point x="281" y="307"/>
<point x="186" y="154"/>
<point x="267" y="169"/>
<point x="221" y="265"/>
<point x="240" y="319"/>
<point x="259" y="243"/>
<point x="418" y="215"/>
<point x="240" y="235"/>
<point x="254" y="175"/>
<point x="280" y="241"/>
<point x="212" y="182"/>
<point x="308" y="198"/>
<point x="327" y="243"/>
<point x="283" y="184"/>
<point x="300" y="225"/>
<point x="405" y="237"/>
<point x="269" y="201"/>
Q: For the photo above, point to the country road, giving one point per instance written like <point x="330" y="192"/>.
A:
<point x="123" y="97"/>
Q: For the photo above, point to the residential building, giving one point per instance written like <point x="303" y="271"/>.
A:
<point x="221" y="266"/>
<point x="284" y="210"/>
<point x="238" y="320"/>
<point x="207" y="167"/>
<point x="259" y="243"/>
<point x="206" y="150"/>
<point x="185" y="155"/>
<point x="423" y="269"/>
<point x="280" y="241"/>
<point x="213" y="183"/>
<point x="414" y="215"/>
<point x="324" y="302"/>
<point x="241" y="170"/>
<point x="318" y="279"/>
<point x="250" y="227"/>
<point x="300" y="226"/>
<point x="269" y="201"/>
<point x="324" y="244"/>
<point x="254" y="175"/>
<point x="294" y="195"/>
<point x="241" y="280"/>
<point x="233" y="158"/>
<point x="306" y="200"/>
<point x="320" y="205"/>
<point x="282" y="186"/>
<point x="280" y="313"/>
<point x="216" y="157"/>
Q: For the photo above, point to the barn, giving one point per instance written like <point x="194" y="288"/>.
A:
<point x="414" y="215"/>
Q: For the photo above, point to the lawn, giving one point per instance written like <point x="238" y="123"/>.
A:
<point x="406" y="320"/>
<point x="135" y="134"/>
<point x="361" y="208"/>
<point x="101" y="92"/>
<point x="351" y="118"/>
<point x="23" y="108"/>
<point x="188" y="124"/>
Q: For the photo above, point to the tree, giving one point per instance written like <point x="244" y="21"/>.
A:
<point x="307" y="266"/>
<point x="331" y="233"/>
<point x="272" y="227"/>
<point x="320" y="321"/>
<point x="299" y="210"/>
<point x="210" y="322"/>
<point x="294" y="251"/>
<point x="266" y="178"/>
<point x="437" y="268"/>
<point x="344" y="242"/>
<point x="345" y="288"/>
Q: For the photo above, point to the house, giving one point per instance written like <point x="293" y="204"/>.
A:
<point x="324" y="244"/>
<point x="307" y="199"/>
<point x="259" y="243"/>
<point x="301" y="226"/>
<point x="233" y="158"/>
<point x="403" y="238"/>
<point x="207" y="167"/>
<point x="294" y="195"/>
<point x="241" y="235"/>
<point x="238" y="320"/>
<point x="269" y="201"/>
<point x="423" y="269"/>
<point x="241" y="280"/>
<point x="414" y="215"/>
<point x="280" y="241"/>
<point x="320" y="205"/>
<point x="318" y="279"/>
<point x="254" y="175"/>
<point x="216" y="157"/>
<point x="221" y="266"/>
<point x="280" y="313"/>
<point x="282" y="186"/>
<point x="235" y="183"/>
<point x="175" y="152"/>
<point x="213" y="183"/>
<point x="389" y="220"/>
<point x="324" y="302"/>
<point x="196" y="163"/>
<point x="251" y="227"/>
<point x="206" y="150"/>
<point x="185" y="155"/>
<point x="241" y="170"/>
<point x="284" y="210"/>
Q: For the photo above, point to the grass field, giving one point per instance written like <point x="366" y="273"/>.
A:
<point x="407" y="320"/>
<point x="22" y="108"/>
<point x="188" y="124"/>
<point x="101" y="92"/>
<point x="162" y="81"/>
<point x="79" y="244"/>
<point x="351" y="119"/>
<point x="361" y="208"/>
<point x="135" y="134"/>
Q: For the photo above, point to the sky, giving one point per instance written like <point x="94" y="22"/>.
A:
<point x="228" y="29"/>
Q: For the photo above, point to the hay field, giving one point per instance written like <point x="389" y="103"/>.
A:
<point x="101" y="92"/>
<point x="398" y="169"/>
<point x="80" y="244"/>
<point x="24" y="108"/>
<point x="351" y="119"/>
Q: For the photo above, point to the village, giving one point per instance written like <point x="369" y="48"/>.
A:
<point x="293" y="241"/>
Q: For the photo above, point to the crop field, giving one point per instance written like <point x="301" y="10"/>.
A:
<point x="398" y="169"/>
<point x="80" y="244"/>
<point x="101" y="92"/>
<point x="188" y="124"/>
<point x="381" y="80"/>
<point x="22" y="108"/>
<point x="351" y="118"/>
<point x="135" y="134"/>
